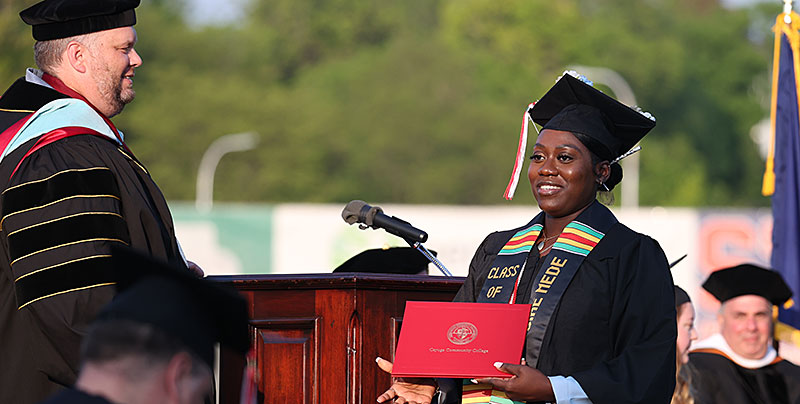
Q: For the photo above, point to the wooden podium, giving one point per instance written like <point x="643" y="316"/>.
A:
<point x="317" y="336"/>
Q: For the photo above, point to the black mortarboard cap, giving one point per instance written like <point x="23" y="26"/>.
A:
<point x="394" y="260"/>
<point x="681" y="296"/>
<point x="54" y="19"/>
<point x="574" y="106"/>
<point x="196" y="311"/>
<point x="747" y="279"/>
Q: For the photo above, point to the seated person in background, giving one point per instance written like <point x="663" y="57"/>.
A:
<point x="686" y="334"/>
<point x="154" y="343"/>
<point x="739" y="364"/>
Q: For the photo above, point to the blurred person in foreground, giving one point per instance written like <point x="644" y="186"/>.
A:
<point x="686" y="334"/>
<point x="70" y="189"/>
<point x="154" y="343"/>
<point x="739" y="365"/>
<point x="604" y="331"/>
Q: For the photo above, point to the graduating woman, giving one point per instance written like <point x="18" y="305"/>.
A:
<point x="603" y="325"/>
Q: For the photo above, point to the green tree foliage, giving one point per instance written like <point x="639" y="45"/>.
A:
<point x="16" y="47"/>
<point x="420" y="101"/>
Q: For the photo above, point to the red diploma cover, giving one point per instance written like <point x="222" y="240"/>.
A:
<point x="459" y="340"/>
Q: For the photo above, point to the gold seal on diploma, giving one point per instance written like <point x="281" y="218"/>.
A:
<point x="462" y="333"/>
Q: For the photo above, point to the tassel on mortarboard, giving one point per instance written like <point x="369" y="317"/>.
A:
<point x="523" y="141"/>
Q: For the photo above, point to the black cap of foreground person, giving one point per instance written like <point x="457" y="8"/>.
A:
<point x="747" y="279"/>
<point x="196" y="311"/>
<point x="54" y="19"/>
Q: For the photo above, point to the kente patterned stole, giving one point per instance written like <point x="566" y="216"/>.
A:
<point x="559" y="266"/>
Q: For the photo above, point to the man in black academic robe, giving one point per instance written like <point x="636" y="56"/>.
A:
<point x="739" y="365"/>
<point x="71" y="189"/>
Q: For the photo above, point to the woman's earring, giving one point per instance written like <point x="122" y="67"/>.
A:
<point x="603" y="184"/>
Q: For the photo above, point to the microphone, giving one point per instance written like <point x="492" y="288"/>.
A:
<point x="372" y="216"/>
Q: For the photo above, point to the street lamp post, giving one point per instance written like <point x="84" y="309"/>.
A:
<point x="630" y="165"/>
<point x="208" y="165"/>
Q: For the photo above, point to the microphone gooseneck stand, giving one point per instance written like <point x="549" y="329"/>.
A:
<point x="432" y="258"/>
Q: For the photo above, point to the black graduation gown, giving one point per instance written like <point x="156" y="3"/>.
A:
<point x="70" y="396"/>
<point x="66" y="204"/>
<point x="715" y="379"/>
<point x="614" y="330"/>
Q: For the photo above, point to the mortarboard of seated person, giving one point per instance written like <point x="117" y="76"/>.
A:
<point x="739" y="364"/>
<point x="393" y="260"/>
<point x="154" y="343"/>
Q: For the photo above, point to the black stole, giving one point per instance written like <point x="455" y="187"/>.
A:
<point x="560" y="265"/>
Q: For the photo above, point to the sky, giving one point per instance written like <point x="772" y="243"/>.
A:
<point x="743" y="3"/>
<point x="214" y="11"/>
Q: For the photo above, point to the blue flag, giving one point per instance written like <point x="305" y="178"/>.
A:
<point x="782" y="179"/>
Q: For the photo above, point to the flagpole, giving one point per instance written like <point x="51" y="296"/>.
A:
<point x="782" y="177"/>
